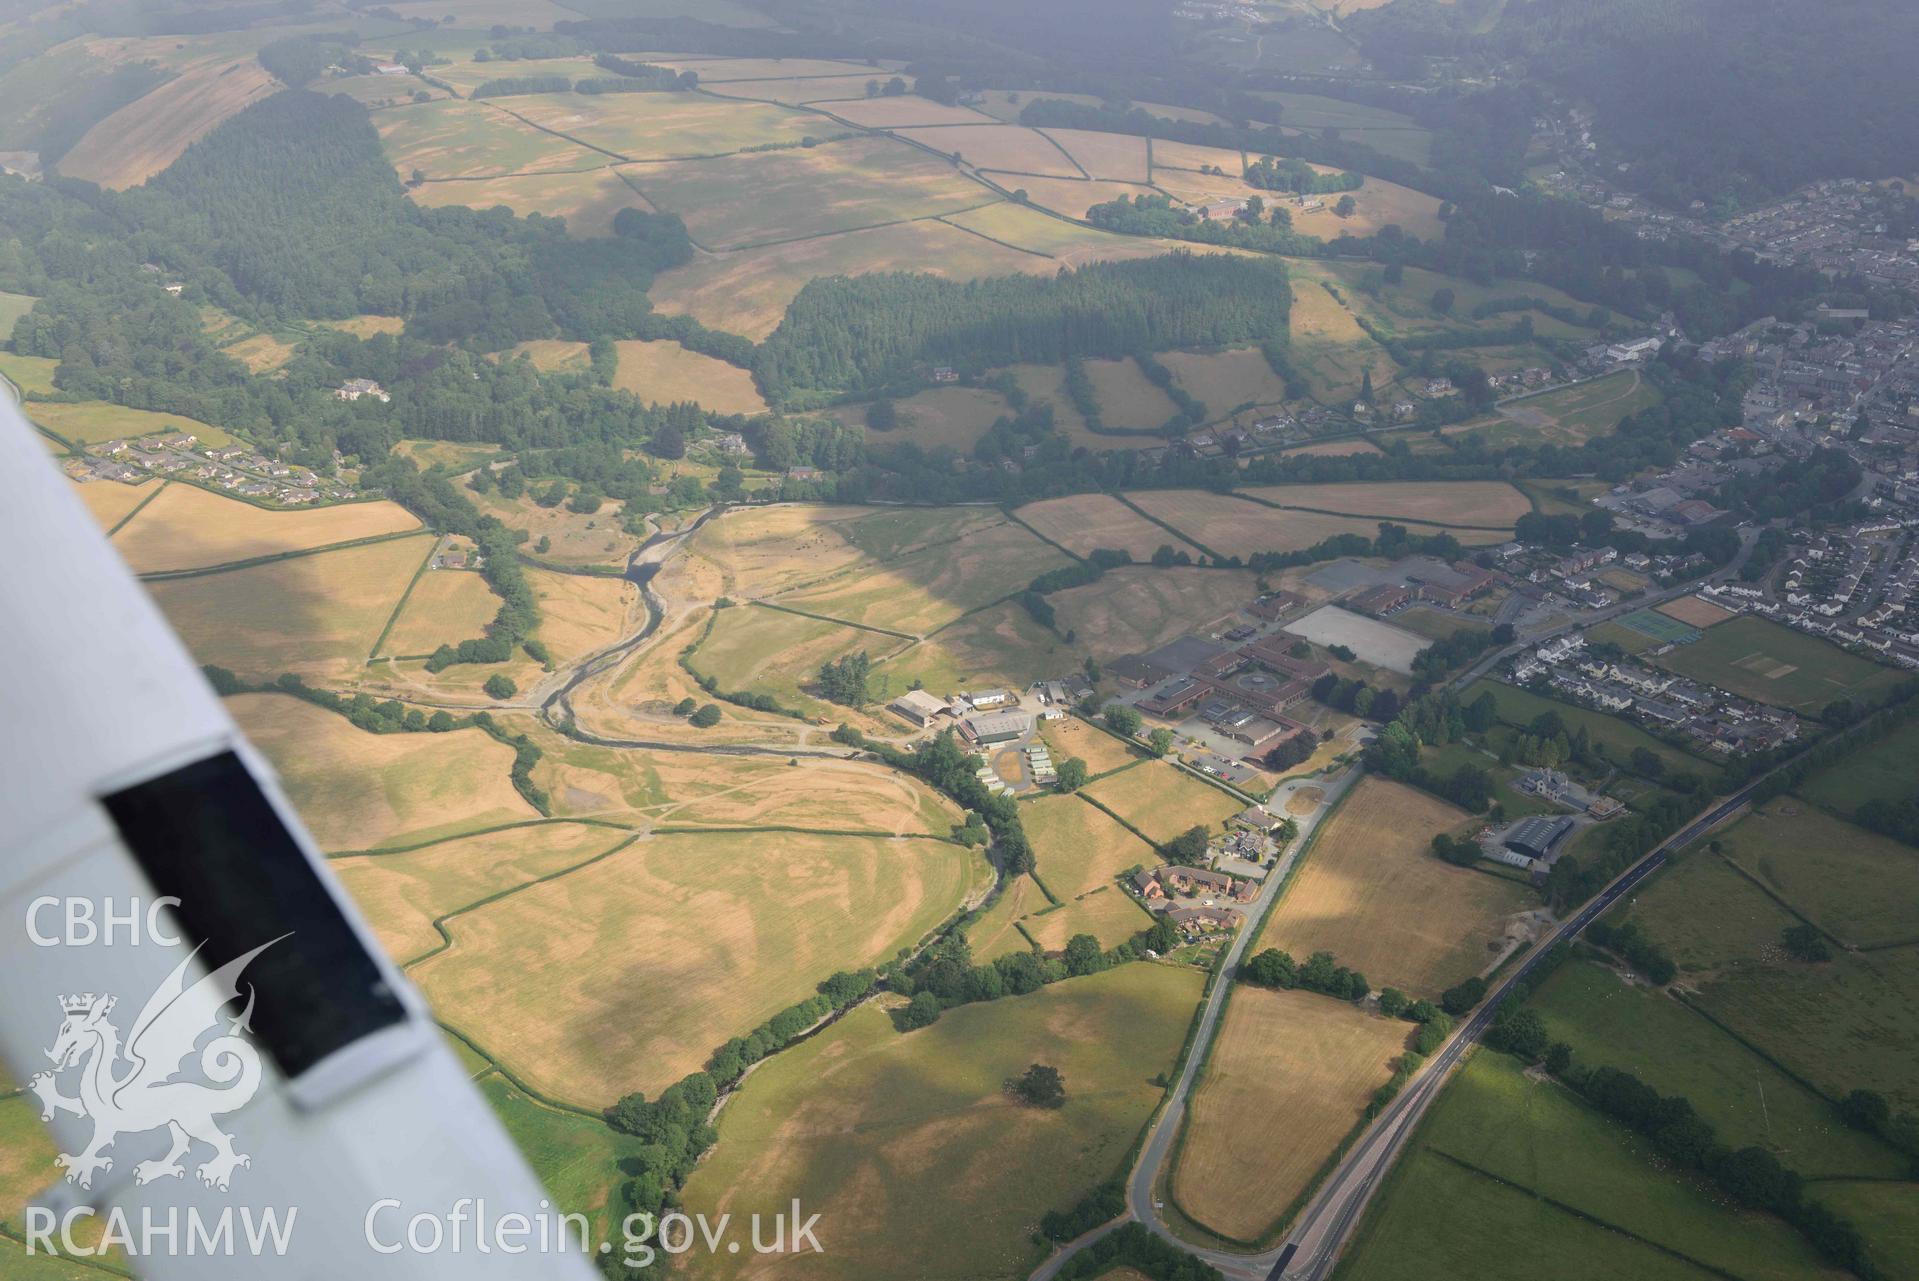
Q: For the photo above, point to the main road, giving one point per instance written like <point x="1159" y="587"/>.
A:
<point x="1312" y="1246"/>
<point x="1165" y="1127"/>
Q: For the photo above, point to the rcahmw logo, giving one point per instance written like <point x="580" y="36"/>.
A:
<point x="144" y="1081"/>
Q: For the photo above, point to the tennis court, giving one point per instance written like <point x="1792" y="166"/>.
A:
<point x="1663" y="628"/>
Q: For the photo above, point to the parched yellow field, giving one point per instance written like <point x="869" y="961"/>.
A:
<point x="1441" y="502"/>
<point x="1335" y="448"/>
<point x="906" y="110"/>
<point x="906" y="1142"/>
<point x="260" y="353"/>
<point x="770" y="651"/>
<point x="466" y="76"/>
<point x="698" y="789"/>
<point x="550" y="356"/>
<point x="1065" y="242"/>
<point x="445" y="607"/>
<point x="663" y="126"/>
<point x="111" y="502"/>
<point x="144" y="137"/>
<point x="1120" y="157"/>
<point x="1007" y="149"/>
<point x="664" y="373"/>
<point x="1234" y="527"/>
<point x="1069" y="196"/>
<point x="314" y="615"/>
<point x="1189" y="156"/>
<point x="1379" y="203"/>
<point x="1126" y="397"/>
<point x="919" y="592"/>
<point x="625" y="975"/>
<point x="1108" y="913"/>
<point x="361" y="791"/>
<point x="736" y="201"/>
<point x="827" y="91"/>
<point x="456" y="138"/>
<point x="723" y="71"/>
<point x="747" y="292"/>
<point x="367" y="326"/>
<point x="1089" y="522"/>
<point x="580" y="613"/>
<point x="1130" y="611"/>
<point x="1163" y="801"/>
<point x="1001" y="646"/>
<point x="376" y="91"/>
<point x="1078" y="847"/>
<point x="1227" y="380"/>
<point x="1334" y="353"/>
<point x="766" y="550"/>
<point x="1695" y="610"/>
<point x="994" y="934"/>
<point x="598" y="539"/>
<point x="589" y="200"/>
<point x="189" y="528"/>
<point x="402" y="894"/>
<point x="1289" y="1076"/>
<point x="937" y="418"/>
<point x="1099" y="749"/>
<point x="1373" y="893"/>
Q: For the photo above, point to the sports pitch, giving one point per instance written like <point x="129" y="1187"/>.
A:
<point x="1764" y="661"/>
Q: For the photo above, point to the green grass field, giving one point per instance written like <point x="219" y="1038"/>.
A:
<point x="1613" y="633"/>
<point x="1888" y="1215"/>
<point x="86" y="422"/>
<point x="1762" y="660"/>
<point x="12" y="307"/>
<point x="909" y="1148"/>
<point x="1860" y="887"/>
<point x="1882" y="770"/>
<point x="30" y="374"/>
<point x="1519" y="707"/>
<point x="1742" y="922"/>
<point x="1474" y="1197"/>
<point x="577" y="1158"/>
<point x="1671" y="1048"/>
<point x="1851" y="1022"/>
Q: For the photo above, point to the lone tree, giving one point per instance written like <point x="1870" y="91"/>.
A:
<point x="500" y="687"/>
<point x="1040" y="1087"/>
<point x="1072" y="774"/>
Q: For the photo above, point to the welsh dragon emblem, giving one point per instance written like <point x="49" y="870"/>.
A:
<point x="131" y="1088"/>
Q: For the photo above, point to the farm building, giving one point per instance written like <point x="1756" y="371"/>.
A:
<point x="919" y="707"/>
<point x="999" y="727"/>
<point x="1536" y="837"/>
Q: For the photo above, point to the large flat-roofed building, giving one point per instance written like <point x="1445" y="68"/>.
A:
<point x="1536" y="837"/>
<point x="996" y="727"/>
<point x="1175" y="698"/>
